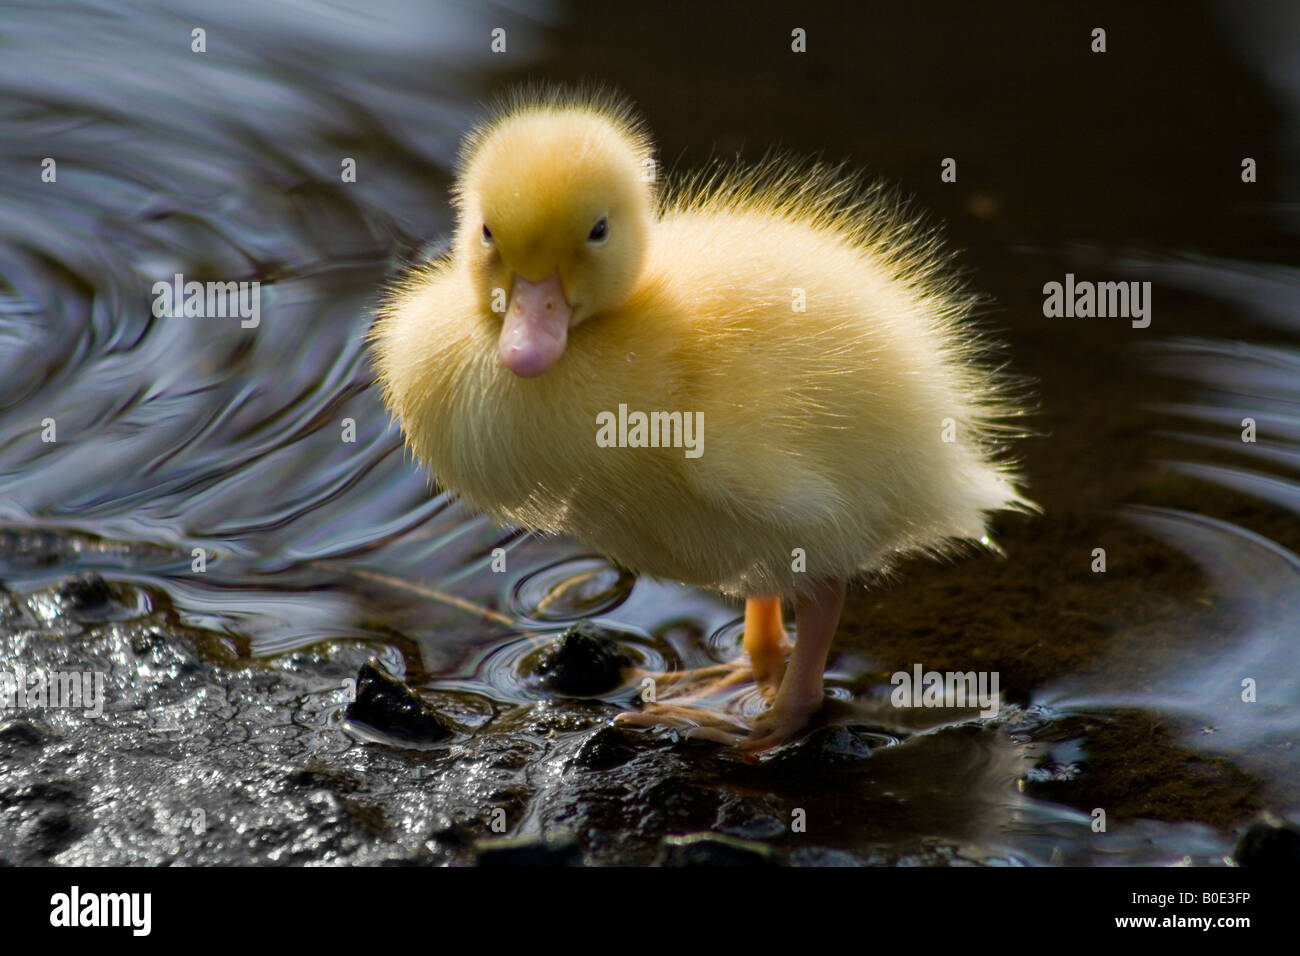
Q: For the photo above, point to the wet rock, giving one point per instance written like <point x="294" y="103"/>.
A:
<point x="147" y="642"/>
<point x="387" y="705"/>
<point x="321" y="777"/>
<point x="823" y="856"/>
<point x="564" y="715"/>
<point x="55" y="791"/>
<point x="832" y="745"/>
<point x="326" y="830"/>
<point x="852" y="742"/>
<point x="679" y="800"/>
<point x="555" y="850"/>
<point x="607" y="748"/>
<point x="369" y="816"/>
<point x="742" y="818"/>
<point x="452" y="833"/>
<point x="17" y="733"/>
<point x="1269" y="843"/>
<point x="211" y="760"/>
<point x="585" y="661"/>
<point x="715" y="849"/>
<point x="507" y="754"/>
<point x="48" y="832"/>
<point x="86" y="592"/>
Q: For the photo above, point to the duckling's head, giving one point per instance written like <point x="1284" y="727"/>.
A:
<point x="554" y="209"/>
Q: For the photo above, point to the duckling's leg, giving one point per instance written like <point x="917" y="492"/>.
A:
<point x="766" y="649"/>
<point x="766" y="642"/>
<point x="799" y="686"/>
<point x="800" y="696"/>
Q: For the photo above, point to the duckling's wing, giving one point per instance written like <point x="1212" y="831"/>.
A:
<point x="765" y="482"/>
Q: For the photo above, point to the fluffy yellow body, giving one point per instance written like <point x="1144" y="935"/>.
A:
<point x="847" y="416"/>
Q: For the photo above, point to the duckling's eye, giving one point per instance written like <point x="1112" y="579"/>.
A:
<point x="487" y="235"/>
<point x="599" y="232"/>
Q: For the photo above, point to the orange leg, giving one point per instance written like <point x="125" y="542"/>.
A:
<point x="795" y="690"/>
<point x="766" y="642"/>
<point x="766" y="648"/>
<point x="800" y="695"/>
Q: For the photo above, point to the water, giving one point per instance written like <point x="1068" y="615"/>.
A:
<point x="178" y="437"/>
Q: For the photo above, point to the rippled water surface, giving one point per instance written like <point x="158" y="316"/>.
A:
<point x="267" y="448"/>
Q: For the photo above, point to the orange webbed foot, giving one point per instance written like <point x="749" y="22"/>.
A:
<point x="795" y="690"/>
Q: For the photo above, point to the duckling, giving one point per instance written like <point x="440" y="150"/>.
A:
<point x="844" y="416"/>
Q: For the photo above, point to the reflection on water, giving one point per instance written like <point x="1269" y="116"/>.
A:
<point x="223" y="165"/>
<point x="264" y="452"/>
<point x="1246" y="410"/>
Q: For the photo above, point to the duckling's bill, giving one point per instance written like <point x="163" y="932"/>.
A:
<point x="536" y="326"/>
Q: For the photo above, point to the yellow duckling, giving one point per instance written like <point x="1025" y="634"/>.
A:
<point x="758" y="382"/>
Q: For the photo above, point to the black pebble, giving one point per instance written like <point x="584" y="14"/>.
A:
<point x="585" y="661"/>
<point x="1269" y="843"/>
<point x="22" y="733"/>
<point x="50" y="831"/>
<point x="86" y="591"/>
<point x="387" y="705"/>
<point x="607" y="748"/>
